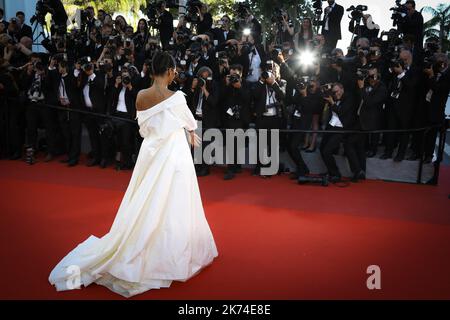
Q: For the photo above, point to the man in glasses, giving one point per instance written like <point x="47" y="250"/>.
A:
<point x="371" y="96"/>
<point x="341" y="116"/>
<point x="223" y="34"/>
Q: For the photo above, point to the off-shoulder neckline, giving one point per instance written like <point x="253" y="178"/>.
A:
<point x="165" y="100"/>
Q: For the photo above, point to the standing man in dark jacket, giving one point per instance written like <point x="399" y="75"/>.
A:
<point x="165" y="25"/>
<point x="332" y="24"/>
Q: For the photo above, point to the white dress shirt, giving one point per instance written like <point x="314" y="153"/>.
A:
<point x="335" y="121"/>
<point x="255" y="62"/>
<point x="327" y="18"/>
<point x="87" y="98"/>
<point x="121" y="105"/>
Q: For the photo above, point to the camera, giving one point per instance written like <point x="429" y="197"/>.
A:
<point x="192" y="8"/>
<point x="302" y="83"/>
<point x="399" y="12"/>
<point x="277" y="16"/>
<point x="327" y="90"/>
<point x="357" y="12"/>
<point x="234" y="78"/>
<point x="241" y="10"/>
<point x="395" y="63"/>
<point x="266" y="75"/>
<point x="247" y="47"/>
<point x="126" y="80"/>
<point x="362" y="73"/>
<point x="152" y="14"/>
<point x="201" y="82"/>
<point x="231" y="51"/>
<point x="40" y="12"/>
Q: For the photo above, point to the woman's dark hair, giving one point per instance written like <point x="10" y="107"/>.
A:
<point x="161" y="62"/>
<point x="310" y="29"/>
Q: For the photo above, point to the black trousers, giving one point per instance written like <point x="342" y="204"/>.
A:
<point x="354" y="146"/>
<point x="330" y="41"/>
<point x="92" y="124"/>
<point x="70" y="123"/>
<point x="328" y="147"/>
<point x="296" y="140"/>
<point x="232" y="123"/>
<point x="397" y="120"/>
<point x="269" y="123"/>
<point x="123" y="136"/>
<point x="35" y="115"/>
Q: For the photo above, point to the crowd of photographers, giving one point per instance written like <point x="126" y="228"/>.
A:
<point x="299" y="80"/>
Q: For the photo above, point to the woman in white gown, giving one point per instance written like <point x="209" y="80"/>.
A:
<point x="160" y="232"/>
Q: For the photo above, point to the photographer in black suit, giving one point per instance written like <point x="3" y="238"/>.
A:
<point x="223" y="34"/>
<point x="371" y="96"/>
<point x="205" y="23"/>
<point x="308" y="100"/>
<point x="236" y="110"/>
<point x="165" y="25"/>
<point x="400" y="105"/>
<point x="123" y="106"/>
<point x="202" y="99"/>
<point x="438" y="85"/>
<point x="269" y="110"/>
<point x="93" y="100"/>
<point x="341" y="116"/>
<point x="66" y="93"/>
<point x="412" y="23"/>
<point x="332" y="24"/>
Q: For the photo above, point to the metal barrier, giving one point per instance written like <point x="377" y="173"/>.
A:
<point x="442" y="129"/>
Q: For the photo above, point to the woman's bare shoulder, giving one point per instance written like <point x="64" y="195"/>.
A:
<point x="146" y="99"/>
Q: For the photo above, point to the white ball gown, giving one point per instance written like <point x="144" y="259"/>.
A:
<point x="160" y="233"/>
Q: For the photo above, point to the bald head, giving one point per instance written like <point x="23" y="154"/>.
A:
<point x="27" y="42"/>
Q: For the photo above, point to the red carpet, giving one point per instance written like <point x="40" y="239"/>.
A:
<point x="276" y="239"/>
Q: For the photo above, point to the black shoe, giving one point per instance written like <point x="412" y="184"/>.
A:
<point x="399" y="158"/>
<point x="294" y="176"/>
<point x="72" y="163"/>
<point x="305" y="148"/>
<point x="228" y="175"/>
<point x="427" y="160"/>
<point x="202" y="172"/>
<point x="370" y="154"/>
<point x="335" y="179"/>
<point x="386" y="156"/>
<point x="93" y="162"/>
<point x="103" y="163"/>
<point x="310" y="150"/>
<point x="65" y="160"/>
<point x="29" y="157"/>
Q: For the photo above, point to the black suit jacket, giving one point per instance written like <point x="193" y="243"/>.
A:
<point x="371" y="110"/>
<point x="130" y="101"/>
<point x="210" y="107"/>
<point x="260" y="97"/>
<point x="25" y="31"/>
<point x="346" y="111"/>
<point x="96" y="93"/>
<point x="405" y="104"/>
<point x="334" y="22"/>
<point x="70" y="85"/>
<point x="439" y="97"/>
<point x="220" y="37"/>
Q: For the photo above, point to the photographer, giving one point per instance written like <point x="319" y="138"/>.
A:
<point x="368" y="29"/>
<point x="341" y="113"/>
<point x="251" y="57"/>
<point x="236" y="113"/>
<point x="165" y="25"/>
<point x="401" y="103"/>
<point x="332" y="24"/>
<point x="309" y="103"/>
<point x="223" y="34"/>
<point x="35" y="113"/>
<point x="438" y="86"/>
<point x="246" y="20"/>
<point x="205" y="23"/>
<point x="412" y="23"/>
<point x="123" y="106"/>
<point x="67" y="93"/>
<point x="202" y="99"/>
<point x="268" y="107"/>
<point x="93" y="100"/>
<point x="372" y="95"/>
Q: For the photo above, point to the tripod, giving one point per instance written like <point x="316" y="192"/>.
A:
<point x="44" y="32"/>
